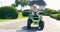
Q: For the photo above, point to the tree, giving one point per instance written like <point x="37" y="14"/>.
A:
<point x="21" y="2"/>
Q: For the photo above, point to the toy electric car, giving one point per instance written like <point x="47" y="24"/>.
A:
<point x="36" y="20"/>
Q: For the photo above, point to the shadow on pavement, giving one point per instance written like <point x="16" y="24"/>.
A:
<point x="33" y="29"/>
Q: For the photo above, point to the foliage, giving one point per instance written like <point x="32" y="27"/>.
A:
<point x="8" y="12"/>
<point x="58" y="11"/>
<point x="19" y="10"/>
<point x="26" y="12"/>
<point x="48" y="11"/>
<point x="14" y="5"/>
<point x="20" y="2"/>
<point x="56" y="16"/>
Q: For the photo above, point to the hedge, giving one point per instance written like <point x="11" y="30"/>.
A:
<point x="26" y="13"/>
<point x="48" y="11"/>
<point x="8" y="12"/>
<point x="55" y="16"/>
<point x="58" y="11"/>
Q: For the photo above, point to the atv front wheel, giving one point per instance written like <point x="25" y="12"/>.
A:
<point x="29" y="24"/>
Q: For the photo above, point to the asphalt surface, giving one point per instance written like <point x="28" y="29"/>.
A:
<point x="50" y="25"/>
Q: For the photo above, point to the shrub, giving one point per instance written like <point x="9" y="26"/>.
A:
<point x="42" y="13"/>
<point x="49" y="11"/>
<point x="8" y="12"/>
<point x="13" y="5"/>
<point x="26" y="12"/>
<point x="20" y="10"/>
<point x="58" y="11"/>
<point x="56" y="16"/>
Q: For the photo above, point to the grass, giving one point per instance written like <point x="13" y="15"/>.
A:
<point x="3" y="20"/>
<point x="20" y="16"/>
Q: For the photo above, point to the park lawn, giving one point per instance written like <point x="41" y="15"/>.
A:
<point x="19" y="17"/>
<point x="3" y="20"/>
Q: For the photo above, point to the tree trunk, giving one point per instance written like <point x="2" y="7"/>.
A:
<point x="21" y="8"/>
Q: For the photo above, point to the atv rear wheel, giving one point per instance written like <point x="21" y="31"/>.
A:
<point x="41" y="25"/>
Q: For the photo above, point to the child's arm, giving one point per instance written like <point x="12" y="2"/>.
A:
<point x="39" y="12"/>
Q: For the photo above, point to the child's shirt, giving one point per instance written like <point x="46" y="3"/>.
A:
<point x="34" y="12"/>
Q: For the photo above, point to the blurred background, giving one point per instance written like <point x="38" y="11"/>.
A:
<point x="53" y="4"/>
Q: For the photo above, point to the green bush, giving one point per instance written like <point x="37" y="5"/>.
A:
<point x="8" y="12"/>
<point x="20" y="10"/>
<point x="13" y="5"/>
<point x="58" y="11"/>
<point x="42" y="13"/>
<point x="56" y="16"/>
<point x="49" y="11"/>
<point x="26" y="12"/>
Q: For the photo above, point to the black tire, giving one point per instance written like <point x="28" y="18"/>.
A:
<point x="29" y="24"/>
<point x="41" y="25"/>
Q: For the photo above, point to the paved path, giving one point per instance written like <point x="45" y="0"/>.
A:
<point x="51" y="25"/>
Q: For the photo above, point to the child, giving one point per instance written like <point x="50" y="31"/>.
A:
<point x="34" y="10"/>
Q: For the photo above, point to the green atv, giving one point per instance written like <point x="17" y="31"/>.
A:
<point x="36" y="20"/>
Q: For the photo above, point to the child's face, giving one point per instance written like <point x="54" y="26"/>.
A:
<point x="35" y="7"/>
